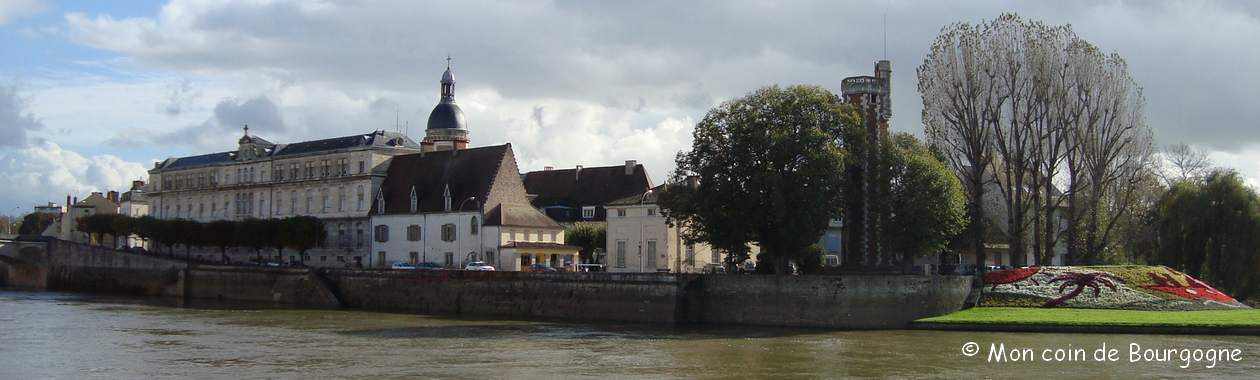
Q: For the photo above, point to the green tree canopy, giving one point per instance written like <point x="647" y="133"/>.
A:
<point x="770" y="171"/>
<point x="590" y="236"/>
<point x="1211" y="229"/>
<point x="926" y="204"/>
<point x="35" y="223"/>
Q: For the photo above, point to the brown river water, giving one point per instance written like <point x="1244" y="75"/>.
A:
<point x="61" y="335"/>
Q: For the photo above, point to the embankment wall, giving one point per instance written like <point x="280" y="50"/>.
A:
<point x="848" y="301"/>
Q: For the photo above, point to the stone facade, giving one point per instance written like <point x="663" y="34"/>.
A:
<point x="331" y="179"/>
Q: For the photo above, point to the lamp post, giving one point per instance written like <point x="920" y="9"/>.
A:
<point x="461" y="241"/>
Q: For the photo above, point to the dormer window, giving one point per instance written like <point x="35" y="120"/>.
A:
<point x="380" y="202"/>
<point x="588" y="212"/>
<point x="446" y="198"/>
<point x="413" y="199"/>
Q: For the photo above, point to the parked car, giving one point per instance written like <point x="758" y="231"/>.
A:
<point x="540" y="268"/>
<point x="430" y="266"/>
<point x="479" y="266"/>
<point x="400" y="265"/>
<point x="590" y="267"/>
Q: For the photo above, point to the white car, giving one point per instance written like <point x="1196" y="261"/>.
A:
<point x="479" y="266"/>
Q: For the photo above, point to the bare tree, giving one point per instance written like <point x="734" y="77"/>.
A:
<point x="959" y="107"/>
<point x="1186" y="163"/>
<point x="1114" y="144"/>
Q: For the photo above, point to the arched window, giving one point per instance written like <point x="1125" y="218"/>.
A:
<point x="472" y="226"/>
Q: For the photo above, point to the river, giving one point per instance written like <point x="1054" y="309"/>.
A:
<point x="61" y="335"/>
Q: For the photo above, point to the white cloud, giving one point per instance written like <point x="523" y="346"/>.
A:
<point x="15" y="9"/>
<point x="45" y="172"/>
<point x="596" y="83"/>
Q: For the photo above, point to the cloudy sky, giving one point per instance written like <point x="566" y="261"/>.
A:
<point x="91" y="94"/>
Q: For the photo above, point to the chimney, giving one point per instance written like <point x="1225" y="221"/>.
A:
<point x="547" y="168"/>
<point x="112" y="196"/>
<point x="630" y="167"/>
<point x="693" y="181"/>
<point x="137" y="185"/>
<point x="577" y="173"/>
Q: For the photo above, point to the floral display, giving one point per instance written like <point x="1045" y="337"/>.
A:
<point x="1131" y="287"/>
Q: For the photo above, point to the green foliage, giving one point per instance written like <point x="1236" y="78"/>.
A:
<point x="589" y="236"/>
<point x="302" y="233"/>
<point x="770" y="172"/>
<point x="35" y="223"/>
<point x="1211" y="230"/>
<point x="926" y="205"/>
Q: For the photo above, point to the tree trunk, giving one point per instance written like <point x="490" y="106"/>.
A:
<point x="977" y="219"/>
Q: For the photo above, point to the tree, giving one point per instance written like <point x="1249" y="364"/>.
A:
<point x="253" y="233"/>
<point x="1211" y="230"/>
<point x="146" y="227"/>
<point x="221" y="234"/>
<point x="956" y="81"/>
<point x="121" y="226"/>
<point x="1021" y="99"/>
<point x="302" y="233"/>
<point x="187" y="233"/>
<point x="769" y="169"/>
<point x="35" y="223"/>
<point x="1185" y="163"/>
<point x="273" y="232"/>
<point x="588" y="236"/>
<point x="926" y="202"/>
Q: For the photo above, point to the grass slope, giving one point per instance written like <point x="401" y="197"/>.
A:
<point x="1099" y="317"/>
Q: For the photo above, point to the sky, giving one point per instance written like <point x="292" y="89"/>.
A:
<point x="93" y="93"/>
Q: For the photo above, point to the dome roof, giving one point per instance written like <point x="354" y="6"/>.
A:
<point x="447" y="77"/>
<point x="447" y="115"/>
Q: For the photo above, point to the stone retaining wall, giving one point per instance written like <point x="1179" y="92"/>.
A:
<point x="848" y="301"/>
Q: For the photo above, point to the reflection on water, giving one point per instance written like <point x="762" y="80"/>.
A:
<point x="72" y="336"/>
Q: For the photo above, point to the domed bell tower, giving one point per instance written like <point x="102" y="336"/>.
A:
<point x="447" y="128"/>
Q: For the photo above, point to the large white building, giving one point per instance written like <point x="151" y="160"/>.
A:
<point x="451" y="207"/>
<point x="331" y="179"/>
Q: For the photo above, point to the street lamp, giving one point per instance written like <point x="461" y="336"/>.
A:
<point x="461" y="241"/>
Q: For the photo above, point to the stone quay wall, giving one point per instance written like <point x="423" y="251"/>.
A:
<point x="845" y="301"/>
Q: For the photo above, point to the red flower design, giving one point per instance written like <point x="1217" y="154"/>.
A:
<point x="1011" y="276"/>
<point x="1193" y="290"/>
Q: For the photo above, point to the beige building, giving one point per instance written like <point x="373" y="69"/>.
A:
<point x="639" y="240"/>
<point x="331" y="179"/>
<point x="96" y="203"/>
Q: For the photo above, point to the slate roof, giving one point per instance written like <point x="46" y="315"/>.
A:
<point x="375" y="138"/>
<point x="486" y="173"/>
<point x="205" y="159"/>
<point x="467" y="173"/>
<point x="387" y="139"/>
<point x="594" y="186"/>
<point x="646" y="198"/>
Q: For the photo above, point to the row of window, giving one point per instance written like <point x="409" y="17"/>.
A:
<point x="307" y="170"/>
<point x="415" y="233"/>
<point x="245" y="204"/>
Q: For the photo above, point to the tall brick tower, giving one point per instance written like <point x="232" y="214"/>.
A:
<point x="863" y="224"/>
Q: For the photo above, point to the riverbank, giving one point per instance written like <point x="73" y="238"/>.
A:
<point x="851" y="301"/>
<point x="1063" y="320"/>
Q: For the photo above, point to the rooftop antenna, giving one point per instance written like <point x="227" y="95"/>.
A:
<point x="885" y="34"/>
<point x="395" y="118"/>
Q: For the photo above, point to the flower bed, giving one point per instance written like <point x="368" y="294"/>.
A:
<point x="1130" y="287"/>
